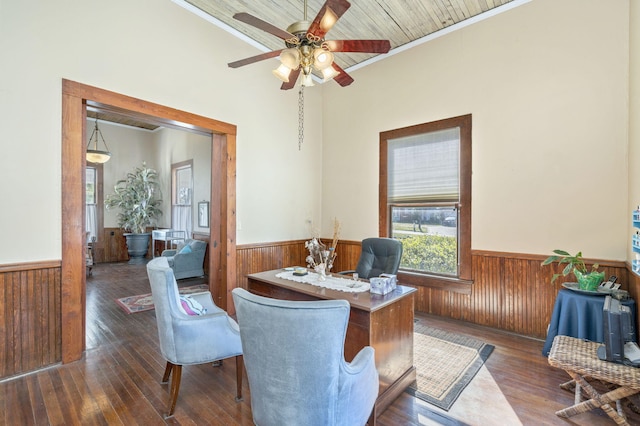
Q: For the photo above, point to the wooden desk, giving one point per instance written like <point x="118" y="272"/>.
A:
<point x="579" y="359"/>
<point x="383" y="322"/>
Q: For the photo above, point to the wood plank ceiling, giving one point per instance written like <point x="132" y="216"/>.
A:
<point x="402" y="22"/>
<point x="399" y="21"/>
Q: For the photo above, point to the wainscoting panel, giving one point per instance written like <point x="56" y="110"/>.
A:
<point x="30" y="317"/>
<point x="114" y="246"/>
<point x="264" y="257"/>
<point x="511" y="291"/>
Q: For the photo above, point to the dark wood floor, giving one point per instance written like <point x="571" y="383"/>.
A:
<point x="118" y="381"/>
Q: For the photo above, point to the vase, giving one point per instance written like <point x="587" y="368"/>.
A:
<point x="589" y="281"/>
<point x="322" y="273"/>
<point x="137" y="246"/>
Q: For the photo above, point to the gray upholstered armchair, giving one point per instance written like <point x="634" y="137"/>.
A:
<point x="378" y="256"/>
<point x="186" y="338"/>
<point x="187" y="259"/>
<point x="294" y="357"/>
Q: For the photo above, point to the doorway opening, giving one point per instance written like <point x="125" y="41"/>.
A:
<point x="76" y="98"/>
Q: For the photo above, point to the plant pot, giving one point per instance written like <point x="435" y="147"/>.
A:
<point x="137" y="246"/>
<point x="589" y="281"/>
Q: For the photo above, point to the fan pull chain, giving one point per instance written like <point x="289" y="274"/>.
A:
<point x="300" y="117"/>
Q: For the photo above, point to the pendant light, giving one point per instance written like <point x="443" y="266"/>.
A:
<point x="95" y="155"/>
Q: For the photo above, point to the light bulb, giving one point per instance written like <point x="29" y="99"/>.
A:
<point x="282" y="72"/>
<point x="322" y="58"/>
<point x="306" y="80"/>
<point x="329" y="73"/>
<point x="290" y="58"/>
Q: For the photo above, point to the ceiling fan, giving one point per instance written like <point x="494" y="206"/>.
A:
<point x="306" y="49"/>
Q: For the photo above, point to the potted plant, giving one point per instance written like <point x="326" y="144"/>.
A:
<point x="139" y="199"/>
<point x="587" y="279"/>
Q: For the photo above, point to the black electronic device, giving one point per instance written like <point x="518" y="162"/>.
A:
<point x="619" y="330"/>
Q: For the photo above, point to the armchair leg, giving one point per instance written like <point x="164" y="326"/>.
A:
<point x="175" y="387"/>
<point x="239" y="368"/>
<point x="167" y="372"/>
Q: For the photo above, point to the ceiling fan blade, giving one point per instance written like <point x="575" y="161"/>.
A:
<point x="293" y="77"/>
<point x="252" y="59"/>
<point x="262" y="25"/>
<point x="328" y="15"/>
<point x="343" y="79"/>
<point x="365" y="46"/>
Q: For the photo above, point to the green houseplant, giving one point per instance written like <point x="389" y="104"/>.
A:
<point x="139" y="199"/>
<point x="587" y="279"/>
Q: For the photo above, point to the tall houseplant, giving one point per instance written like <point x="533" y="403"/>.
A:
<point x="139" y="199"/>
<point x="587" y="279"/>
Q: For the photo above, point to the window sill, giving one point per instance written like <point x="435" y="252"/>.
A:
<point x="455" y="285"/>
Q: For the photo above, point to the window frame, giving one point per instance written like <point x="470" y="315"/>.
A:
<point x="462" y="282"/>
<point x="95" y="184"/>
<point x="99" y="194"/>
<point x="175" y="168"/>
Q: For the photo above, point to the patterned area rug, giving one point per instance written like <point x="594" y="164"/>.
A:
<point x="445" y="364"/>
<point x="144" y="302"/>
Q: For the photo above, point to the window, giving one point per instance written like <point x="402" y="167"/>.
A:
<point x="181" y="196"/>
<point x="425" y="199"/>
<point x="91" y="201"/>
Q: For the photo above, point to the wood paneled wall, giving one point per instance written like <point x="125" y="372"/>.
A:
<point x="112" y="247"/>
<point x="30" y="317"/>
<point x="510" y="292"/>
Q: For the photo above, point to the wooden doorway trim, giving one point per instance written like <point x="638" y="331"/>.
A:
<point x="222" y="247"/>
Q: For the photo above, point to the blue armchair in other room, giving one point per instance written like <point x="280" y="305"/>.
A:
<point x="187" y="260"/>
<point x="190" y="335"/>
<point x="294" y="357"/>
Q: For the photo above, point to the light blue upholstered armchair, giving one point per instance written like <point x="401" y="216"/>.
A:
<point x="190" y="339"/>
<point x="187" y="260"/>
<point x="378" y="256"/>
<point x="294" y="357"/>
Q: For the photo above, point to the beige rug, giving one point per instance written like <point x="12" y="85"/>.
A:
<point x="445" y="364"/>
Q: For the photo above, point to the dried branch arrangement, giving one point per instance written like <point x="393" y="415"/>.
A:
<point x="320" y="256"/>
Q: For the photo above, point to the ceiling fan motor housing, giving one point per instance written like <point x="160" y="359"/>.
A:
<point x="306" y="43"/>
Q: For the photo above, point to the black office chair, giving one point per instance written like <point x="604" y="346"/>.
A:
<point x="379" y="256"/>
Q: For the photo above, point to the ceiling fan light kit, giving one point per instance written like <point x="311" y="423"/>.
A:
<point x="306" y="48"/>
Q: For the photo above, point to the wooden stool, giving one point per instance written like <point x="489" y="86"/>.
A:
<point x="579" y="359"/>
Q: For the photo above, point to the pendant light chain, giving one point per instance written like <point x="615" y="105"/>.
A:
<point x="300" y="117"/>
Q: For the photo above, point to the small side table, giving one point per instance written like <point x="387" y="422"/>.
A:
<point x="168" y="236"/>
<point x="579" y="315"/>
<point x="579" y="359"/>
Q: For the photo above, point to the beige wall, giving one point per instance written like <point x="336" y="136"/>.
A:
<point x="158" y="149"/>
<point x="129" y="147"/>
<point x="177" y="146"/>
<point x="547" y="85"/>
<point x="160" y="53"/>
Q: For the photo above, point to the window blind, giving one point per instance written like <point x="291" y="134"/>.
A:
<point x="424" y="167"/>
